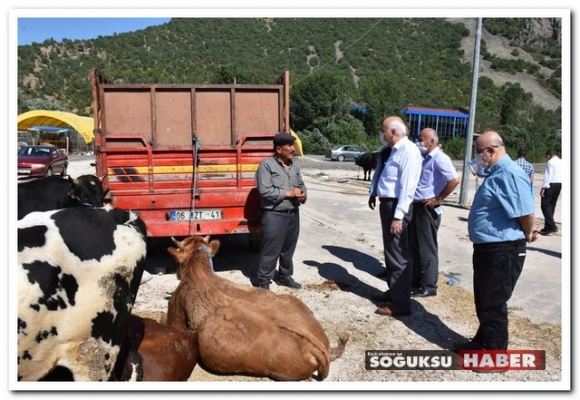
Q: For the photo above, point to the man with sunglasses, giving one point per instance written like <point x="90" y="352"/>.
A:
<point x="501" y="221"/>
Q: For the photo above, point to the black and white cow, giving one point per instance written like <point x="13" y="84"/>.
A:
<point x="79" y="270"/>
<point x="368" y="162"/>
<point x="55" y="192"/>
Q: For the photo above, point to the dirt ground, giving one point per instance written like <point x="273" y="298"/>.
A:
<point x="337" y="273"/>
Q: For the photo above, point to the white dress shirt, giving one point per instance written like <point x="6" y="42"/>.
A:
<point x="400" y="175"/>
<point x="553" y="172"/>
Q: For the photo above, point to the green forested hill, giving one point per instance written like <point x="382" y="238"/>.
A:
<point x="383" y="64"/>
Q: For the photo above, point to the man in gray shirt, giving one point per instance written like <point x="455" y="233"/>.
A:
<point x="282" y="191"/>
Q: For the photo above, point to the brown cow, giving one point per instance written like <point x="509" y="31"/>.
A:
<point x="242" y="329"/>
<point x="156" y="352"/>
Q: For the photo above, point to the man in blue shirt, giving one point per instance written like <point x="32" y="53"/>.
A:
<point x="438" y="180"/>
<point x="394" y="182"/>
<point x="501" y="221"/>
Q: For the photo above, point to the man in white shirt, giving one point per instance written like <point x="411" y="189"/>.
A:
<point x="550" y="192"/>
<point x="394" y="183"/>
<point x="478" y="172"/>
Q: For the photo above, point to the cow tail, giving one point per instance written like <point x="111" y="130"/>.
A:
<point x="320" y="352"/>
<point x="323" y="359"/>
<point x="337" y="351"/>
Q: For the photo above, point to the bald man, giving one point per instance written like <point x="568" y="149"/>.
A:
<point x="500" y="223"/>
<point x="394" y="183"/>
<point x="438" y="180"/>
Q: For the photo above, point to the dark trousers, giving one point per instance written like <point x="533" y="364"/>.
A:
<point x="424" y="247"/>
<point x="496" y="269"/>
<point x="279" y="238"/>
<point x="397" y="255"/>
<point x="548" y="205"/>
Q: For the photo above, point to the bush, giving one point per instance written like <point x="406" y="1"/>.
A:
<point x="454" y="147"/>
<point x="313" y="142"/>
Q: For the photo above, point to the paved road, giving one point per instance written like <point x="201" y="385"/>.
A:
<point x="539" y="291"/>
<point x="538" y="294"/>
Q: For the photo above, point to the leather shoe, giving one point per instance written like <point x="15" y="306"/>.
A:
<point x="392" y="311"/>
<point x="385" y="296"/>
<point x="425" y="292"/>
<point x="382" y="274"/>
<point x="289" y="282"/>
<point x="264" y="286"/>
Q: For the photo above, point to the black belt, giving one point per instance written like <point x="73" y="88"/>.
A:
<point x="385" y="199"/>
<point x="512" y="243"/>
<point x="291" y="211"/>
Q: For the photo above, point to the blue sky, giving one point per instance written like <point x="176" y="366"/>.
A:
<point x="39" y="29"/>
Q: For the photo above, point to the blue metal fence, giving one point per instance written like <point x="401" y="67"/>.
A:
<point x="447" y="123"/>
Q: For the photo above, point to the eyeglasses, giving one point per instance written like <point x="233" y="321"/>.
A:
<point x="484" y="149"/>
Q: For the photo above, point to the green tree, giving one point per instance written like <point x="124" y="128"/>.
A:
<point x="347" y="130"/>
<point x="512" y="100"/>
<point x="313" y="142"/>
<point x="383" y="97"/>
<point x="319" y="100"/>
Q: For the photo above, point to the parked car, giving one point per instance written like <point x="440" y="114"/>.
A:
<point x="344" y="152"/>
<point x="41" y="161"/>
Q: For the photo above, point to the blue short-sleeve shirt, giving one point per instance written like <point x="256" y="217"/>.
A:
<point x="506" y="194"/>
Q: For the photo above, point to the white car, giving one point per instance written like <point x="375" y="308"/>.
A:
<point x="344" y="152"/>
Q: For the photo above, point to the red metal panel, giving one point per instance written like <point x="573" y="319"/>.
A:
<point x="213" y="117"/>
<point x="173" y="118"/>
<point x="144" y="137"/>
<point x="257" y="112"/>
<point x="127" y="112"/>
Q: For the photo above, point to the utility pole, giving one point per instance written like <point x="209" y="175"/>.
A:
<point x="469" y="138"/>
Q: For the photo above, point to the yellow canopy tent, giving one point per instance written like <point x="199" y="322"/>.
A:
<point x="60" y="119"/>
<point x="297" y="144"/>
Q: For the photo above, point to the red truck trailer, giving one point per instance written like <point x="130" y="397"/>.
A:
<point x="183" y="156"/>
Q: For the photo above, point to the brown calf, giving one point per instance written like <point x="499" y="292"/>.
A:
<point x="157" y="352"/>
<point x="243" y="329"/>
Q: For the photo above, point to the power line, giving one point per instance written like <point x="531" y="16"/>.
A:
<point x="343" y="51"/>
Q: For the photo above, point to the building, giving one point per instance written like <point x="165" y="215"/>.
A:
<point x="447" y="123"/>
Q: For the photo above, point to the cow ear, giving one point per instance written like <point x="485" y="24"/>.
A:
<point x="214" y="246"/>
<point x="206" y="239"/>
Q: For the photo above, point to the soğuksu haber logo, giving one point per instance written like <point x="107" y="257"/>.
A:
<point x="501" y="360"/>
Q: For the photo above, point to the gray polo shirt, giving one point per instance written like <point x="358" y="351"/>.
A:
<point x="273" y="181"/>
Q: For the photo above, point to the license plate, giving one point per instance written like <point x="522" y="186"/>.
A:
<point x="196" y="215"/>
<point x="23" y="171"/>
